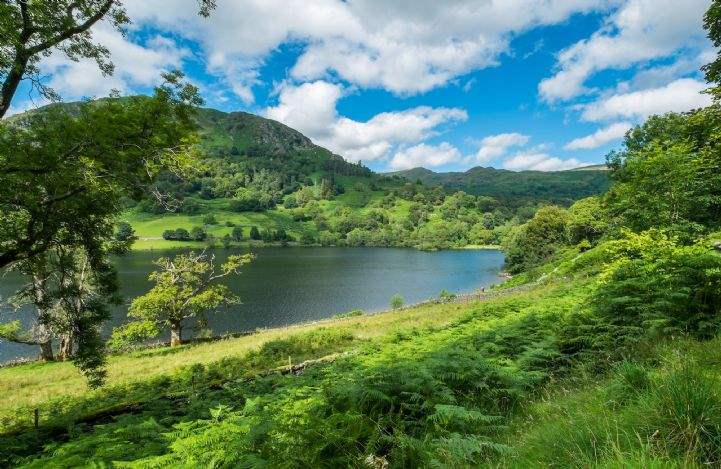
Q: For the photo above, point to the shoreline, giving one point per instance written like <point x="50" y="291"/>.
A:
<point x="180" y="245"/>
<point x="479" y="294"/>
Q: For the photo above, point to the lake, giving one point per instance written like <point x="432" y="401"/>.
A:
<point x="293" y="285"/>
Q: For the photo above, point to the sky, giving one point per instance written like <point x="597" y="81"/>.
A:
<point x="514" y="84"/>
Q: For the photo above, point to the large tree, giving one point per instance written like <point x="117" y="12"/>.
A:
<point x="33" y="29"/>
<point x="186" y="288"/>
<point x="70" y="291"/>
<point x="64" y="170"/>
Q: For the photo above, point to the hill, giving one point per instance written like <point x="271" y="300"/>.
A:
<point x="259" y="181"/>
<point x="562" y="187"/>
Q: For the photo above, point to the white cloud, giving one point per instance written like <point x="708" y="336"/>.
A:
<point x="405" y="46"/>
<point x="135" y="65"/>
<point x="600" y="137"/>
<point x="640" y="30"/>
<point x="496" y="145"/>
<point x="678" y="96"/>
<point x="426" y="156"/>
<point x="539" y="162"/>
<point x="311" y="109"/>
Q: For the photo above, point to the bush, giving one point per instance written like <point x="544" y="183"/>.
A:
<point x="397" y="301"/>
<point x="210" y="220"/>
<point x="180" y="234"/>
<point x="124" y="232"/>
<point x="445" y="295"/>
<point x="307" y="238"/>
<point x="237" y="233"/>
<point x="254" y="233"/>
<point x="534" y="243"/>
<point x="198" y="234"/>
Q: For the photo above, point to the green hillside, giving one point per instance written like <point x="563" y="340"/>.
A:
<point x="258" y="173"/>
<point x="561" y="187"/>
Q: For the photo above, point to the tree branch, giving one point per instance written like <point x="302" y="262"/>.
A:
<point x="68" y="33"/>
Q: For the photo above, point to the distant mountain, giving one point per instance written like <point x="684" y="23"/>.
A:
<point x="562" y="187"/>
<point x="259" y="143"/>
<point x="593" y="167"/>
<point x="246" y="150"/>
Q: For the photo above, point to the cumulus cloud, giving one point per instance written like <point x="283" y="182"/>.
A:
<point x="135" y="65"/>
<point x="539" y="162"/>
<point x="496" y="145"/>
<point x="600" y="137"/>
<point x="426" y="156"/>
<point x="403" y="46"/>
<point x="678" y="96"/>
<point x="311" y="109"/>
<point x="640" y="30"/>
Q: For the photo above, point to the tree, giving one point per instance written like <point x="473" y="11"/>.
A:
<point x="64" y="171"/>
<point x="186" y="287"/>
<point x="535" y="242"/>
<point x="237" y="233"/>
<point x="669" y="174"/>
<point x="586" y="220"/>
<point x="712" y="24"/>
<point x="397" y="301"/>
<point x="210" y="220"/>
<point x="124" y="232"/>
<point x="70" y="290"/>
<point x="31" y="30"/>
<point x="198" y="234"/>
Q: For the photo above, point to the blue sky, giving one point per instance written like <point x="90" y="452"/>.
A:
<point x="516" y="84"/>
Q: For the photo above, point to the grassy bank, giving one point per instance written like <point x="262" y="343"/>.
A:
<point x="36" y="384"/>
<point x="524" y="378"/>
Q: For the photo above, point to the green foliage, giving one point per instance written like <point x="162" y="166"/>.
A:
<point x="198" y="234"/>
<point x="445" y="295"/>
<point x="44" y="152"/>
<point x="185" y="288"/>
<point x="660" y="286"/>
<point x="397" y="301"/>
<point x="669" y="174"/>
<point x="534" y="243"/>
<point x="712" y="24"/>
<point x="124" y="232"/>
<point x="515" y="189"/>
<point x="586" y="220"/>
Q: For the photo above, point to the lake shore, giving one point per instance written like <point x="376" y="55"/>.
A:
<point x="39" y="384"/>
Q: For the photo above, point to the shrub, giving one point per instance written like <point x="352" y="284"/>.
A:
<point x="198" y="234"/>
<point x="397" y="301"/>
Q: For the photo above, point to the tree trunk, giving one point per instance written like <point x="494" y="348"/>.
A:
<point x="175" y="335"/>
<point x="66" y="347"/>
<point x="46" y="351"/>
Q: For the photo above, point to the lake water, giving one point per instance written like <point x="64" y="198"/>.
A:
<point x="292" y="285"/>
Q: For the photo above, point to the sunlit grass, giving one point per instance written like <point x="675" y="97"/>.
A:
<point x="31" y="384"/>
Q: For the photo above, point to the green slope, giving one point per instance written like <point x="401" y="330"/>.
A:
<point x="561" y="187"/>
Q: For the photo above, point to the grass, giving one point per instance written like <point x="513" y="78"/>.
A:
<point x="492" y="383"/>
<point x="29" y="385"/>
<point x="663" y="410"/>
